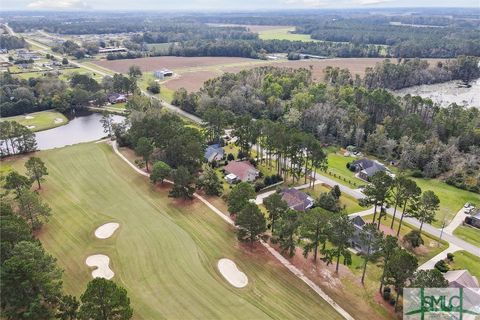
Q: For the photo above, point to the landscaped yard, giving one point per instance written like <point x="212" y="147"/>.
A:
<point x="465" y="260"/>
<point x="351" y="204"/>
<point x="338" y="171"/>
<point x="166" y="251"/>
<point x="432" y="245"/>
<point x="39" y="121"/>
<point x="469" y="234"/>
<point x="451" y="199"/>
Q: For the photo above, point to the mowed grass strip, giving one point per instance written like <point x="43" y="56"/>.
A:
<point x="42" y="120"/>
<point x="469" y="234"/>
<point x="165" y="251"/>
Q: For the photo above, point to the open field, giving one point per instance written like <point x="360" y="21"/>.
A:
<point x="465" y="260"/>
<point x="192" y="72"/>
<point x="41" y="120"/>
<point x="166" y="251"/>
<point x="469" y="234"/>
<point x="155" y="63"/>
<point x="283" y="33"/>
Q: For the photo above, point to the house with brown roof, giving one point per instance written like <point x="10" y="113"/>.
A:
<point x="241" y="170"/>
<point x="296" y="199"/>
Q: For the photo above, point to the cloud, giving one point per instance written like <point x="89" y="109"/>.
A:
<point x="370" y="2"/>
<point x="307" y="3"/>
<point x="58" y="4"/>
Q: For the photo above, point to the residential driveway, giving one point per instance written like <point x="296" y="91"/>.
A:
<point x="456" y="221"/>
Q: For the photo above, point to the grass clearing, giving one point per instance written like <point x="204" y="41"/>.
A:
<point x="41" y="120"/>
<point x="284" y="34"/>
<point x="466" y="260"/>
<point x="165" y="251"/>
<point x="338" y="171"/>
<point x="348" y="202"/>
<point x="469" y="234"/>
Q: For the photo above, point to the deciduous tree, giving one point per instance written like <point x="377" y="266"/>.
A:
<point x="240" y="196"/>
<point x="182" y="184"/>
<point x="160" y="172"/>
<point x="144" y="148"/>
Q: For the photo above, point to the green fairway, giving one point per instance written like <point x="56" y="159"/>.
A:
<point x="284" y="34"/>
<point x="469" y="234"/>
<point x="465" y="260"/>
<point x="39" y="121"/>
<point x="166" y="251"/>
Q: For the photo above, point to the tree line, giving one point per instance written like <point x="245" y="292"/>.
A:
<point x="16" y="139"/>
<point x="31" y="281"/>
<point x="420" y="135"/>
<point x="19" y="96"/>
<point x="12" y="42"/>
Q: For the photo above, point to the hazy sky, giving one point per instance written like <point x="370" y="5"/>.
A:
<point x="220" y="5"/>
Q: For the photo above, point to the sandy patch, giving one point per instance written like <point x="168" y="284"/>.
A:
<point x="58" y="120"/>
<point x="28" y="117"/>
<point x="106" y="231"/>
<point x="30" y="127"/>
<point x="100" y="261"/>
<point x="230" y="272"/>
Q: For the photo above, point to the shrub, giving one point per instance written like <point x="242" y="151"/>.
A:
<point x="413" y="238"/>
<point x="259" y="185"/>
<point x="442" y="266"/>
<point x="386" y="293"/>
<point x="241" y="154"/>
<point x="417" y="174"/>
<point x="450" y="256"/>
<point x="230" y="157"/>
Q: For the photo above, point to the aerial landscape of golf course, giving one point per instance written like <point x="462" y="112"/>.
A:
<point x="165" y="251"/>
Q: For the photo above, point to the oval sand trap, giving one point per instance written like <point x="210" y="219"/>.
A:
<point x="229" y="271"/>
<point x="105" y="231"/>
<point x="100" y="261"/>
<point x="58" y="120"/>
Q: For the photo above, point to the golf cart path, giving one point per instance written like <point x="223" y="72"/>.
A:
<point x="275" y="253"/>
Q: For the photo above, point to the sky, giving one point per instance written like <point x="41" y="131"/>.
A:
<point x="223" y="5"/>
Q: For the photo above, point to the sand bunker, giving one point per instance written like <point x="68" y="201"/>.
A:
<point x="229" y="271"/>
<point x="106" y="231"/>
<point x="28" y="117"/>
<point x="100" y="261"/>
<point x="58" y="120"/>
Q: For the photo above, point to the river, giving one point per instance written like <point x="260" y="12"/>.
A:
<point x="447" y="93"/>
<point x="83" y="128"/>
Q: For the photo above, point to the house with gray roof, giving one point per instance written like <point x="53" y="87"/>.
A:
<point x="296" y="199"/>
<point x="461" y="279"/>
<point x="214" y="152"/>
<point x="366" y="168"/>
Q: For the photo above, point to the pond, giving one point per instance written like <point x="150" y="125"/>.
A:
<point x="447" y="93"/>
<point x="83" y="128"/>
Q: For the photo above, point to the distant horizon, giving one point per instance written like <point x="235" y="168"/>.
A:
<point x="225" y="6"/>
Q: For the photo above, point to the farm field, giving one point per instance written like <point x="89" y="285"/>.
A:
<point x="39" y="121"/>
<point x="192" y="72"/>
<point x="165" y="251"/>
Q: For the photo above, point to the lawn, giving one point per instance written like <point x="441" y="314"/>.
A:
<point x="42" y="120"/>
<point x="451" y="199"/>
<point x="469" y="234"/>
<point x="284" y="34"/>
<point x="432" y="245"/>
<point x="338" y="171"/>
<point x="465" y="260"/>
<point x="165" y="252"/>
